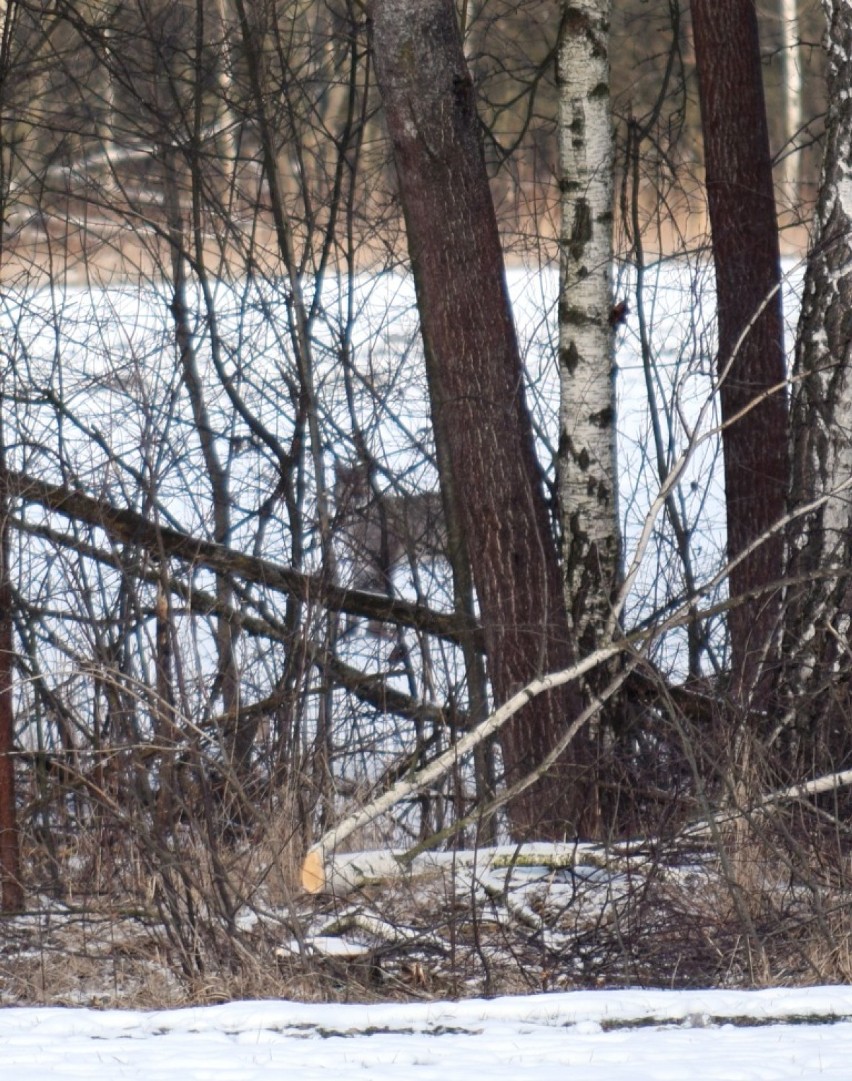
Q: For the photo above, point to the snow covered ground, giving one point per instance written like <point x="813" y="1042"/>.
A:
<point x="585" y="1036"/>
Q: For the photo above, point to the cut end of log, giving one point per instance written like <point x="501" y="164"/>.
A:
<point x="313" y="872"/>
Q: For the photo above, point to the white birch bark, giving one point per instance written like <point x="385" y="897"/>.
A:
<point x="587" y="465"/>
<point x="818" y="621"/>
<point x="344" y="872"/>
<point x="467" y="17"/>
<point x="791" y="77"/>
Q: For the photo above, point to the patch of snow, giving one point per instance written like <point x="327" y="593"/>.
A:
<point x="631" y="1035"/>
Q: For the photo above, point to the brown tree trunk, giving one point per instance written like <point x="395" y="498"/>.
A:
<point x="11" y="885"/>
<point x="476" y="389"/>
<point x="751" y="346"/>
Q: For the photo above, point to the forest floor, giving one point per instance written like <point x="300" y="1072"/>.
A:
<point x="649" y="919"/>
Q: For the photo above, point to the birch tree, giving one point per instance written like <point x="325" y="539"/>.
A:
<point x="793" y="91"/>
<point x="820" y="552"/>
<point x="587" y="458"/>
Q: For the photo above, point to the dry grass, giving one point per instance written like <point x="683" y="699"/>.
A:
<point x="123" y="913"/>
<point x="755" y="914"/>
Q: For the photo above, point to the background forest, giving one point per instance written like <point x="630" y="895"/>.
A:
<point x="250" y="608"/>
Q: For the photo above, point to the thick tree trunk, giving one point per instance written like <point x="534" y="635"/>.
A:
<point x="751" y="348"/>
<point x="819" y="613"/>
<point x="476" y="390"/>
<point x="587" y="460"/>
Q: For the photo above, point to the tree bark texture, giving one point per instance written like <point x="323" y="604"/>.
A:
<point x="587" y="458"/>
<point x="818" y="619"/>
<point x="478" y="408"/>
<point x="750" y="322"/>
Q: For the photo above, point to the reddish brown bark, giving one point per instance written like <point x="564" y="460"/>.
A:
<point x="482" y="425"/>
<point x="751" y="351"/>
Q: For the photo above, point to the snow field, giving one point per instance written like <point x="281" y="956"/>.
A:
<point x="585" y="1036"/>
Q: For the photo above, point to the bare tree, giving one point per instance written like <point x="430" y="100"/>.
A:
<point x="818" y="616"/>
<point x="11" y="883"/>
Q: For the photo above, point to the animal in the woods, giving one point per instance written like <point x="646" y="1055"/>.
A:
<point x="383" y="530"/>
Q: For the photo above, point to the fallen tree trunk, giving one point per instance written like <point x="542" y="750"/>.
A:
<point x="348" y="871"/>
<point x="339" y="873"/>
<point x="376" y="690"/>
<point x="819" y="786"/>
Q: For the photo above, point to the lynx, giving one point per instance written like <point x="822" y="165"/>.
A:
<point x="383" y="530"/>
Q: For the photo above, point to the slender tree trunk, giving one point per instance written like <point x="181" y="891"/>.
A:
<point x="793" y="90"/>
<point x="587" y="461"/>
<point x="819" y="614"/>
<point x="227" y="630"/>
<point x="476" y="389"/>
<point x="751" y="348"/>
<point x="11" y="884"/>
<point x="464" y="603"/>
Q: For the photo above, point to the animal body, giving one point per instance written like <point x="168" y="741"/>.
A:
<point x="384" y="530"/>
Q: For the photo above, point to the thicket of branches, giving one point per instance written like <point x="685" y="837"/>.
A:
<point x="235" y="606"/>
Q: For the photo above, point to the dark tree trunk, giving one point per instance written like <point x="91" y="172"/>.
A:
<point x="11" y="885"/>
<point x="477" y="400"/>
<point x="751" y="348"/>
